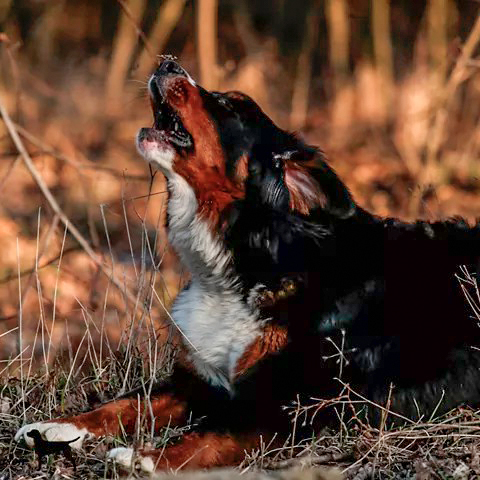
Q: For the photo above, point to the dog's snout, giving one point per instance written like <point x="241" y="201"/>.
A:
<point x="154" y="89"/>
<point x="170" y="67"/>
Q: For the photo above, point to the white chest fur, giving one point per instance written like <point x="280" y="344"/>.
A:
<point x="216" y="322"/>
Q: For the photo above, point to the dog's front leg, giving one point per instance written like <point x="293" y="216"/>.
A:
<point x="170" y="404"/>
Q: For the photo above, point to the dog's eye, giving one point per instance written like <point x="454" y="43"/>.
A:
<point x="222" y="100"/>
<point x="255" y="168"/>
<point x="277" y="162"/>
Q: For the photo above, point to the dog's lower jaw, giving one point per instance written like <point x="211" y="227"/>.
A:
<point x="160" y="156"/>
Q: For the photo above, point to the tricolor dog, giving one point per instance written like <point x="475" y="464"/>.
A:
<point x="288" y="274"/>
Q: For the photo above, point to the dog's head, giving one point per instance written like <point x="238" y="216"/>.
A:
<point x="35" y="434"/>
<point x="227" y="149"/>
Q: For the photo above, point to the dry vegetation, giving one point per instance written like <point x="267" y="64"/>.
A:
<point x="390" y="89"/>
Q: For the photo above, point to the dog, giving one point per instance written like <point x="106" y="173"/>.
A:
<point x="295" y="291"/>
<point x="44" y="447"/>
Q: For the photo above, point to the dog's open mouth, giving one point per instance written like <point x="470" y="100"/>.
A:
<point x="166" y="121"/>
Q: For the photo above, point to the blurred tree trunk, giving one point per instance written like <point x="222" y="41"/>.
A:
<point x="339" y="48"/>
<point x="4" y="10"/>
<point x="46" y="31"/>
<point x="339" y="36"/>
<point x="382" y="45"/>
<point x="207" y="12"/>
<point x="430" y="175"/>
<point x="437" y="39"/>
<point x="301" y="88"/>
<point x="124" y="45"/>
<point x="167" y="19"/>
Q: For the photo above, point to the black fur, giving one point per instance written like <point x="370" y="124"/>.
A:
<point x="381" y="294"/>
<point x="384" y="289"/>
<point x="45" y="447"/>
<point x="390" y="286"/>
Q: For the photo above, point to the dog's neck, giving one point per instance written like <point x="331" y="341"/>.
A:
<point x="216" y="322"/>
<point x="214" y="191"/>
<point x="200" y="249"/>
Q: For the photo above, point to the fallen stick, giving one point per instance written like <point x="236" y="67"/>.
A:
<point x="56" y="207"/>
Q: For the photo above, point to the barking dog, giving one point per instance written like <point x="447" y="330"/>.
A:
<point x="286" y="268"/>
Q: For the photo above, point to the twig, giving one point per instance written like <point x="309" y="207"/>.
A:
<point x="124" y="46"/>
<point x="437" y="132"/>
<point x="167" y="18"/>
<point x="309" y="460"/>
<point x="10" y="169"/>
<point x="47" y="149"/>
<point x="139" y="31"/>
<point x="29" y="271"/>
<point x="20" y="331"/>
<point x="207" y="42"/>
<point x="54" y="205"/>
<point x="54" y="309"/>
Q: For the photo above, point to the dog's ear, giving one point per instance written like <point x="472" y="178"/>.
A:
<point x="312" y="183"/>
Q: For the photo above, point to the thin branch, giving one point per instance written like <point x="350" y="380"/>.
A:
<point x="47" y="149"/>
<point x="125" y="42"/>
<point x="167" y="19"/>
<point x="143" y="37"/>
<point x="437" y="133"/>
<point x="46" y="263"/>
<point x="207" y="11"/>
<point x="55" y="207"/>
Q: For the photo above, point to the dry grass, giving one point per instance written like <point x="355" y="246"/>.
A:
<point x="230" y="474"/>
<point x="441" y="447"/>
<point x="435" y="447"/>
<point x="81" y="376"/>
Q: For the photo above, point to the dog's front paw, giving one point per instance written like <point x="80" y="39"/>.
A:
<point x="125" y="456"/>
<point x="54" y="432"/>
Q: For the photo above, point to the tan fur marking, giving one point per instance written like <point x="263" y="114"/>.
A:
<point x="202" y="451"/>
<point x="204" y="169"/>
<point x="273" y="339"/>
<point x="106" y="419"/>
<point x="241" y="170"/>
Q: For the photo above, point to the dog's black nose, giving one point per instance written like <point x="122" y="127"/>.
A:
<point x="170" y="67"/>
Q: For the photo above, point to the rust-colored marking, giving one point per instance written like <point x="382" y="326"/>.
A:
<point x="203" y="451"/>
<point x="241" y="169"/>
<point x="204" y="169"/>
<point x="273" y="339"/>
<point x="106" y="420"/>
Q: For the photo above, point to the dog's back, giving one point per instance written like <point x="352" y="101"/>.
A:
<point x="389" y="296"/>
